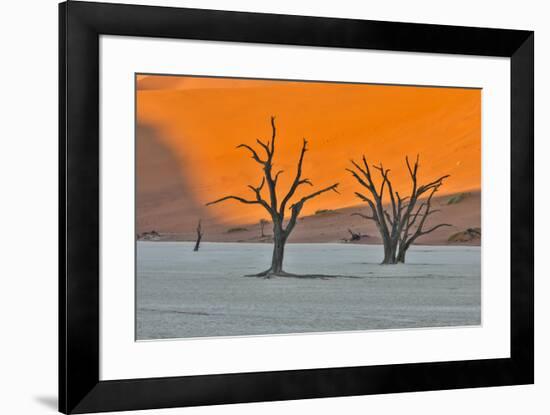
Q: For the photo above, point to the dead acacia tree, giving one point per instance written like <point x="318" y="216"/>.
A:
<point x="354" y="236"/>
<point x="404" y="223"/>
<point x="277" y="211"/>
<point x="199" y="236"/>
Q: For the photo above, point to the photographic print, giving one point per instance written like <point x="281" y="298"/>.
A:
<point x="268" y="206"/>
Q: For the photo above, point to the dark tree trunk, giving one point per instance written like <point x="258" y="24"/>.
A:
<point x="389" y="252"/>
<point x="199" y="237"/>
<point x="390" y="246"/>
<point x="197" y="244"/>
<point x="402" y="253"/>
<point x="278" y="253"/>
<point x="401" y="256"/>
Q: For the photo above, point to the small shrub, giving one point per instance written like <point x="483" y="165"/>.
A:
<point x="149" y="236"/>
<point x="469" y="234"/>
<point x="324" y="211"/>
<point x="457" y="198"/>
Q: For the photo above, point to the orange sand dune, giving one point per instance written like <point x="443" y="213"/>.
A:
<point x="200" y="121"/>
<point x="154" y="82"/>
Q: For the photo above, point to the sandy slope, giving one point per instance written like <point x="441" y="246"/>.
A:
<point x="333" y="226"/>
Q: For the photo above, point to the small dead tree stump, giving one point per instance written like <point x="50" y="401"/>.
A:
<point x="354" y="236"/>
<point x="199" y="236"/>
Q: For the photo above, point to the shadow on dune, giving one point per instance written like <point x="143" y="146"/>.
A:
<point x="164" y="200"/>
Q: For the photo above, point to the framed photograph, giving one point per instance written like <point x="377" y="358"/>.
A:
<point x="259" y="207"/>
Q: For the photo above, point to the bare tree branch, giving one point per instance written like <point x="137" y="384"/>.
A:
<point x="258" y="192"/>
<point x="296" y="208"/>
<point x="388" y="217"/>
<point x="258" y="189"/>
<point x="435" y="184"/>
<point x="297" y="178"/>
<point x="265" y="146"/>
<point x="363" y="216"/>
<point x="359" y="179"/>
<point x="273" y="135"/>
<point x="434" y="228"/>
<point x="277" y="175"/>
<point x="314" y="194"/>
<point x="254" y="154"/>
<point x="237" y="198"/>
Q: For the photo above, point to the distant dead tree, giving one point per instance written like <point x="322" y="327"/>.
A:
<point x="263" y="222"/>
<point x="405" y="222"/>
<point x="276" y="210"/>
<point x="199" y="236"/>
<point x="354" y="236"/>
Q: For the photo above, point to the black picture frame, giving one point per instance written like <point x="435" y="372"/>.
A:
<point x="80" y="25"/>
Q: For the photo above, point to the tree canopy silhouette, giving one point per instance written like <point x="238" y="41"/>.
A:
<point x="405" y="221"/>
<point x="277" y="210"/>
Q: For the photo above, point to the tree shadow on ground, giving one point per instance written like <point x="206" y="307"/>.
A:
<point x="301" y="276"/>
